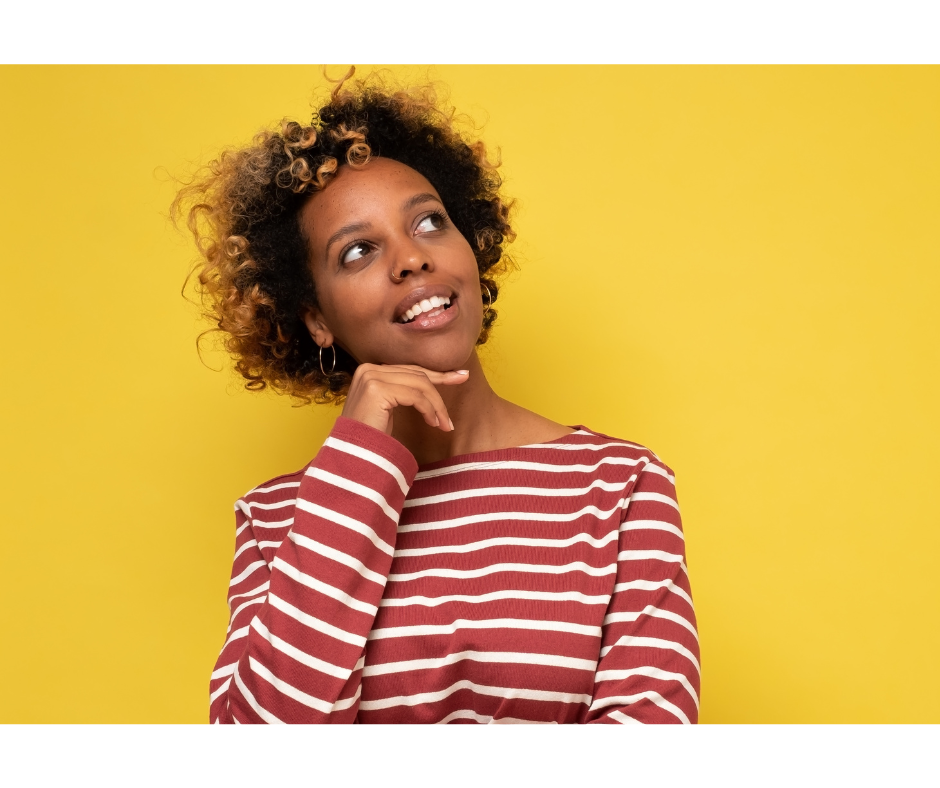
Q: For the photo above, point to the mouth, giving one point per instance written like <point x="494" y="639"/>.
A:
<point x="426" y="308"/>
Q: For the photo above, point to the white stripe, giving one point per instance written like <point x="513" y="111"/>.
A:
<point x="516" y="465"/>
<point x="273" y="523"/>
<point x="626" y="641"/>
<point x="643" y="555"/>
<point x="623" y="718"/>
<point x="346" y="522"/>
<point x="486" y="517"/>
<point x="242" y="527"/>
<point x="499" y="657"/>
<point x="263" y="587"/>
<point x="650" y="525"/>
<point x="651" y="496"/>
<point x="651" y="468"/>
<point x="301" y="656"/>
<point x="273" y="487"/>
<point x="369" y="456"/>
<point x="327" y="590"/>
<point x="240" y="550"/>
<point x="223" y="688"/>
<point x="508" y="541"/>
<point x="256" y="601"/>
<point x="649" y="672"/>
<point x="238" y="633"/>
<point x="268" y="506"/>
<point x="548" y="569"/>
<point x="589" y="446"/>
<point x="495" y="623"/>
<point x="465" y="714"/>
<point x="655" y="697"/>
<point x="288" y="689"/>
<point x="653" y="612"/>
<point x="248" y="570"/>
<point x="315" y="623"/>
<point x="272" y="544"/>
<point x="336" y="555"/>
<point x="492" y="596"/>
<point x="486" y="492"/>
<point x="355" y="488"/>
<point x="653" y="585"/>
<point x="225" y="670"/>
<point x="262" y="712"/>
<point x="480" y="689"/>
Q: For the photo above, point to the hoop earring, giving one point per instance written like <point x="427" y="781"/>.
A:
<point x="332" y="367"/>
<point x="488" y="307"/>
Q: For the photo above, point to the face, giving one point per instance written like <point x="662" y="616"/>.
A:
<point x="382" y="250"/>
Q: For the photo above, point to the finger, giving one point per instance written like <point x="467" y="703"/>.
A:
<point x="409" y="396"/>
<point x="448" y="378"/>
<point x="395" y="375"/>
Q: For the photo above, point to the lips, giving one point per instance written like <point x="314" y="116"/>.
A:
<point x="420" y="300"/>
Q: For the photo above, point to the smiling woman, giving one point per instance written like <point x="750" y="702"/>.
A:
<point x="447" y="556"/>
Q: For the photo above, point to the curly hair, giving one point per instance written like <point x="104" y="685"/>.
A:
<point x="244" y="211"/>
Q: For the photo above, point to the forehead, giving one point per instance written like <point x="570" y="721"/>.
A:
<point x="362" y="195"/>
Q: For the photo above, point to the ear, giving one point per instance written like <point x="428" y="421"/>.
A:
<point x="316" y="325"/>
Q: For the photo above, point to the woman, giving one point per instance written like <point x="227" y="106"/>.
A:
<point x="447" y="556"/>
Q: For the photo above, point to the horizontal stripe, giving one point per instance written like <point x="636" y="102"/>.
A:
<point x="256" y="601"/>
<point x="497" y="657"/>
<point x="622" y="718"/>
<point x="262" y="712"/>
<point x="257" y="590"/>
<point x="327" y="590"/>
<point x="650" y="525"/>
<point x="221" y="673"/>
<point x="223" y="687"/>
<point x="273" y="487"/>
<point x="346" y="522"/>
<point x="273" y="523"/>
<point x="628" y="641"/>
<point x="420" y="630"/>
<point x="508" y="541"/>
<point x="493" y="596"/>
<point x="247" y="572"/>
<point x="652" y="585"/>
<point x="289" y="689"/>
<point x="648" y="671"/>
<point x="547" y="492"/>
<point x="249" y="544"/>
<point x="647" y="555"/>
<point x="628" y="700"/>
<point x="549" y="569"/>
<point x="269" y="506"/>
<point x="488" y="517"/>
<point x="336" y="555"/>
<point x="295" y="653"/>
<point x="356" y="488"/>
<point x="270" y="545"/>
<point x="370" y="456"/>
<point x="315" y="623"/>
<point x="657" y="497"/>
<point x="517" y="465"/>
<point x="465" y="714"/>
<point x="653" y="612"/>
<point x="479" y="689"/>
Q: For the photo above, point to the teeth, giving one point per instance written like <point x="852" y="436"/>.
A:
<point x="425" y="305"/>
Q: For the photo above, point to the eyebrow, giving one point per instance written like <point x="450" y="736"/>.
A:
<point x="356" y="227"/>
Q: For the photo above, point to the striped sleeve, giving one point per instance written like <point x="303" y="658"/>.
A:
<point x="312" y="557"/>
<point x="649" y="669"/>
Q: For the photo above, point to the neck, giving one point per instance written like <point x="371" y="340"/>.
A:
<point x="476" y="410"/>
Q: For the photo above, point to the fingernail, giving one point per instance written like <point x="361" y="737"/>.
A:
<point x="451" y="424"/>
<point x="437" y="420"/>
<point x="462" y="371"/>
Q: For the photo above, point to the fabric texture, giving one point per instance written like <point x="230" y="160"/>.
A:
<point x="542" y="583"/>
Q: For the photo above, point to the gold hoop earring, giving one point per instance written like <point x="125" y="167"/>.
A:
<point x="488" y="307"/>
<point x="332" y="366"/>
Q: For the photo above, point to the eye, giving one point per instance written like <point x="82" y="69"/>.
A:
<point x="355" y="252"/>
<point x="430" y="223"/>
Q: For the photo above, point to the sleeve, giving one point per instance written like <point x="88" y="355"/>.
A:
<point x="300" y="619"/>
<point x="649" y="669"/>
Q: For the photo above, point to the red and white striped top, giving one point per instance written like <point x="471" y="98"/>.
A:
<point x="542" y="583"/>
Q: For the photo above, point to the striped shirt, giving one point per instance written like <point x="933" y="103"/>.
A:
<point x="541" y="583"/>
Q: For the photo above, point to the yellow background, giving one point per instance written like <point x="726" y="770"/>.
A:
<point x="737" y="266"/>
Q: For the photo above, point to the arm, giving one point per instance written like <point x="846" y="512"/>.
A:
<point x="649" y="667"/>
<point x="301" y="610"/>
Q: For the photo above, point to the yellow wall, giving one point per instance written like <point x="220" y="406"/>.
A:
<point x="737" y="266"/>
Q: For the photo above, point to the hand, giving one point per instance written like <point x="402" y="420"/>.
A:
<point x="377" y="389"/>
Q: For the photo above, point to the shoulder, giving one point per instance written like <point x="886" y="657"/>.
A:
<point x="585" y="443"/>
<point x="279" y="492"/>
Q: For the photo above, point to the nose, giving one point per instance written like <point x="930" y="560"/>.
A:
<point x="410" y="259"/>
